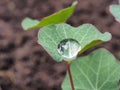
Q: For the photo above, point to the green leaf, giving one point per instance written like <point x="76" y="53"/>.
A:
<point x="115" y="10"/>
<point x="92" y="44"/>
<point x="50" y="36"/>
<point x="28" y="23"/>
<point x="59" y="17"/>
<point x="97" y="71"/>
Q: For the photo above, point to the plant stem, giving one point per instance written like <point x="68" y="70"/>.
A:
<point x="70" y="75"/>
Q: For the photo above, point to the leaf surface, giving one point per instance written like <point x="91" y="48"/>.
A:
<point x="115" y="10"/>
<point x="59" y="17"/>
<point x="50" y="36"/>
<point x="97" y="71"/>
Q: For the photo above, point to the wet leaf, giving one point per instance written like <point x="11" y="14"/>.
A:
<point x="97" y="71"/>
<point x="51" y="36"/>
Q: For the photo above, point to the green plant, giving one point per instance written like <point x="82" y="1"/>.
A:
<point x="96" y="71"/>
<point x="59" y="17"/>
<point x="115" y="10"/>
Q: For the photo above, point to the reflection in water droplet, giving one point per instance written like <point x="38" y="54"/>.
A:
<point x="69" y="49"/>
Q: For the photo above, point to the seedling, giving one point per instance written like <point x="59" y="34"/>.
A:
<point x="96" y="71"/>
<point x="55" y="18"/>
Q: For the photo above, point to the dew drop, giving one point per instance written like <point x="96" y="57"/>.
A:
<point x="68" y="49"/>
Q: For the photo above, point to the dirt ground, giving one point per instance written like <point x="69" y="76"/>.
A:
<point x="25" y="65"/>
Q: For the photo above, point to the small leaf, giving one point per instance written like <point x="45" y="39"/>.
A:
<point x="59" y="17"/>
<point x="115" y="10"/>
<point x="97" y="71"/>
<point x="51" y="36"/>
<point x="27" y="23"/>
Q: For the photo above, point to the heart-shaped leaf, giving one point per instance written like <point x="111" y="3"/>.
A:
<point x="115" y="10"/>
<point x="97" y="71"/>
<point x="59" y="17"/>
<point x="51" y="36"/>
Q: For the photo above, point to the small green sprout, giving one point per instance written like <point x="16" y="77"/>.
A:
<point x="59" y="17"/>
<point x="96" y="71"/>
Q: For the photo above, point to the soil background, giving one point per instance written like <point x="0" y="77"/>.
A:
<point x="25" y="65"/>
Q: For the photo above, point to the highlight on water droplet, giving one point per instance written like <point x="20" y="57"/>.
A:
<point x="68" y="49"/>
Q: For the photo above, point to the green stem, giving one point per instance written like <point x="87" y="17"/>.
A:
<point x="70" y="75"/>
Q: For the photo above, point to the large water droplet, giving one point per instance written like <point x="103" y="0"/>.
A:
<point x="69" y="49"/>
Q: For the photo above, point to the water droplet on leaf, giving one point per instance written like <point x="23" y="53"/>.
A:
<point x="69" y="49"/>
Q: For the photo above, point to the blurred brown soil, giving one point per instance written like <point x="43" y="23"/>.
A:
<point x="25" y="65"/>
